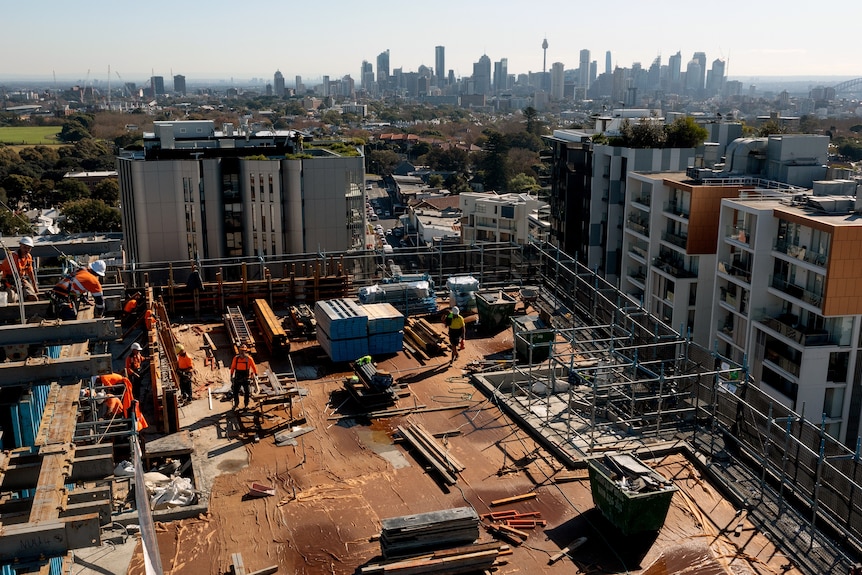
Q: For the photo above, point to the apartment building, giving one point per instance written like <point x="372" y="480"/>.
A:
<point x="512" y="218"/>
<point x="787" y="298"/>
<point x="197" y="192"/>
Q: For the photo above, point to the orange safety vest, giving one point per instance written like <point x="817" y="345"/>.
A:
<point x="24" y="265"/>
<point x="245" y="364"/>
<point x="139" y="418"/>
<point x="114" y="407"/>
<point x="83" y="281"/>
<point x="184" y="361"/>
<point x="134" y="361"/>
<point x="130" y="305"/>
<point x="149" y="320"/>
<point x="117" y="379"/>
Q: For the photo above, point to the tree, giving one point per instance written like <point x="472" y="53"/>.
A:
<point x="531" y="115"/>
<point x="686" y="133"/>
<point x="771" y="127"/>
<point x="70" y="189"/>
<point x="88" y="215"/>
<point x="646" y="133"/>
<point x="436" y="181"/>
<point x="17" y="188"/>
<point x="493" y="161"/>
<point x="108" y="190"/>
<point x="14" y="224"/>
<point x="382" y="161"/>
<point x="523" y="183"/>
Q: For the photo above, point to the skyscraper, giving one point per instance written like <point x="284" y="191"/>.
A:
<point x="584" y="70"/>
<point x="544" y="56"/>
<point x="674" y="67"/>
<point x="715" y="78"/>
<point x="501" y="75"/>
<point x="366" y="76"/>
<point x="700" y="57"/>
<point x="325" y="88"/>
<point x="440" y="65"/>
<point x="482" y="75"/>
<point x="383" y="70"/>
<point x="557" y="80"/>
<point x="157" y="85"/>
<point x="300" y="88"/>
<point x="278" y="84"/>
<point x="180" y="84"/>
<point x="608" y="62"/>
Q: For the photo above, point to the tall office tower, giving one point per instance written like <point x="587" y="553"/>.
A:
<point x="594" y="68"/>
<point x="482" y="75"/>
<point x="715" y="78"/>
<point x="674" y="67"/>
<point x="700" y="57"/>
<point x="544" y="56"/>
<point x="608" y="62"/>
<point x="347" y="87"/>
<point x="180" y="84"/>
<point x="278" y="83"/>
<point x="501" y="75"/>
<point x="300" y="87"/>
<point x="693" y="75"/>
<point x="383" y="70"/>
<point x="584" y="70"/>
<point x="325" y="89"/>
<point x="366" y="76"/>
<point x="654" y="74"/>
<point x="157" y="85"/>
<point x="440" y="65"/>
<point x="558" y="76"/>
<point x="450" y="80"/>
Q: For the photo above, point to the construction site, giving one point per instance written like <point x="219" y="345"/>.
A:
<point x="574" y="433"/>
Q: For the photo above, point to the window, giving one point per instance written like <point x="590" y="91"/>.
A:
<point x="251" y="187"/>
<point x="839" y="362"/>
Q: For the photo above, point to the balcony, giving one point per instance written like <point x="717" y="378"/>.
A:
<point x="638" y="252"/>
<point x="674" y="267"/>
<point x="788" y="365"/>
<point x="793" y="290"/>
<point x="638" y="225"/>
<point x="643" y="199"/>
<point x="739" y="234"/>
<point x="786" y="325"/>
<point x="675" y="239"/>
<point x="735" y="271"/>
<point x="802" y="253"/>
<point x="676" y="209"/>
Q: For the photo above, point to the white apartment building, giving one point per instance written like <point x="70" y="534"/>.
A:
<point x="195" y="192"/>
<point x="491" y="217"/>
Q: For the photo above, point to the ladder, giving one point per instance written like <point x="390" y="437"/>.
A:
<point x="238" y="330"/>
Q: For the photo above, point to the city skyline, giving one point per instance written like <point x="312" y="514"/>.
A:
<point x="183" y="39"/>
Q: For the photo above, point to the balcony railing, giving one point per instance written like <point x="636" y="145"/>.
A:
<point x="643" y="199"/>
<point x="674" y="267"/>
<point x="739" y="234"/>
<point x="675" y="239"/>
<point x="676" y="209"/>
<point x="638" y="251"/>
<point x="800" y="334"/>
<point x="735" y="271"/>
<point x="793" y="290"/>
<point x="638" y="226"/>
<point x="802" y="253"/>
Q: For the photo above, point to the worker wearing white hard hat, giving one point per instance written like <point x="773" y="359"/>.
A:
<point x="457" y="331"/>
<point x="71" y="288"/>
<point x="134" y="368"/>
<point x="24" y="270"/>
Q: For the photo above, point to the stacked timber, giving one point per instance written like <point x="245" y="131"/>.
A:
<point x="342" y="329"/>
<point x="425" y="532"/>
<point x="477" y="558"/>
<point x="270" y="327"/>
<point x="385" y="328"/>
<point x="432" y="451"/>
<point x="424" y="337"/>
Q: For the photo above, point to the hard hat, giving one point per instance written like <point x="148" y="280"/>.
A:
<point x="180" y="347"/>
<point x="98" y="267"/>
<point x="26" y="241"/>
<point x="136" y="346"/>
<point x="455" y="310"/>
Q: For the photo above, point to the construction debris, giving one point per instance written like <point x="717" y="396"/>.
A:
<point x="513" y="499"/>
<point x="424" y="337"/>
<point x="468" y="559"/>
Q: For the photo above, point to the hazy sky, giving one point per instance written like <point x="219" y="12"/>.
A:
<point x="253" y="38"/>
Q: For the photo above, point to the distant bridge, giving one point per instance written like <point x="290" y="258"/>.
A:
<point x="848" y="86"/>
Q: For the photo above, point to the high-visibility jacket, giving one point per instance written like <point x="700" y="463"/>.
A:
<point x="184" y="361"/>
<point x="114" y="407"/>
<point x="244" y="364"/>
<point x="456" y="322"/>
<point x="139" y="418"/>
<point x="23" y="263"/>
<point x="130" y="306"/>
<point x="133" y="362"/>
<point x="83" y="281"/>
<point x="117" y="379"/>
<point x="149" y="320"/>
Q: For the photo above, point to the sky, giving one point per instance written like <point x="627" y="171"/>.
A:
<point x="240" y="40"/>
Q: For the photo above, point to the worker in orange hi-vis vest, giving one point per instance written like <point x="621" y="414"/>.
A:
<point x="110" y="406"/>
<point x="241" y="368"/>
<point x="23" y="262"/>
<point x="185" y="367"/>
<point x="134" y="368"/>
<point x="114" y="381"/>
<point x="84" y="281"/>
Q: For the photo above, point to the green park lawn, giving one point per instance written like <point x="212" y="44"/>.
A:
<point x="29" y="135"/>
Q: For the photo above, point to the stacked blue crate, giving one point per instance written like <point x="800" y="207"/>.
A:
<point x="385" y="329"/>
<point x="342" y="329"/>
